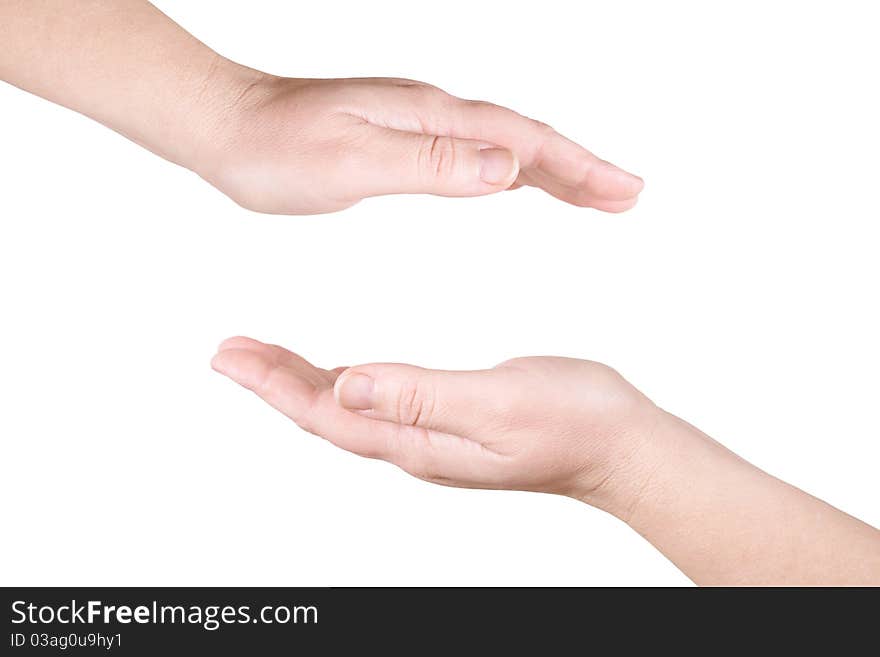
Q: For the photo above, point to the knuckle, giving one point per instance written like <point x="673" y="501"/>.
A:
<point x="514" y="363"/>
<point x="307" y="416"/>
<point x="417" y="86"/>
<point x="423" y="90"/>
<point x="306" y="421"/>
<point x="507" y="411"/>
<point x="542" y="127"/>
<point x="432" y="106"/>
<point x="415" y="403"/>
<point x="544" y="134"/>
<point x="437" y="156"/>
<point x="481" y="111"/>
<point x="401" y="82"/>
<point x="486" y="111"/>
<point x="481" y="106"/>
<point x="415" y="454"/>
<point x="421" y="94"/>
<point x="368" y="451"/>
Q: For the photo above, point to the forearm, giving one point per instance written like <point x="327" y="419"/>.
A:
<point x="723" y="521"/>
<point x="127" y="65"/>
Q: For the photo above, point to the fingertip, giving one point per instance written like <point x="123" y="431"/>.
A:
<point x="247" y="368"/>
<point x="615" y="207"/>
<point x="636" y="183"/>
<point x="355" y="392"/>
<point x="238" y="342"/>
<point x="612" y="183"/>
<point x="499" y="167"/>
<point x="220" y="363"/>
<point x="352" y="390"/>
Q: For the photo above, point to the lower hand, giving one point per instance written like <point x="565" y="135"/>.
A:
<point x="576" y="428"/>
<point x="555" y="425"/>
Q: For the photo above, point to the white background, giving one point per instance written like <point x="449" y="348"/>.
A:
<point x="741" y="294"/>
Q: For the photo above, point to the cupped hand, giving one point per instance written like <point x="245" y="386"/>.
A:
<point x="555" y="425"/>
<point x="302" y="146"/>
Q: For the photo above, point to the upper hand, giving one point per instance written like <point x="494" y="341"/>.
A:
<point x="300" y="146"/>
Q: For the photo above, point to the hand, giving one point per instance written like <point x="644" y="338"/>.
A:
<point x="281" y="145"/>
<point x="576" y="428"/>
<point x="294" y="146"/>
<point x="556" y="425"/>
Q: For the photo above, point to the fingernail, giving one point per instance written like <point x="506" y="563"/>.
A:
<point x="356" y="392"/>
<point x="496" y="165"/>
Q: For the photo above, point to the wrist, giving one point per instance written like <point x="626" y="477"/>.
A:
<point x="220" y="114"/>
<point x="642" y="456"/>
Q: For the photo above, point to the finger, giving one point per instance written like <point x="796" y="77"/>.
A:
<point x="292" y="390"/>
<point x="422" y="108"/>
<point x="541" y="148"/>
<point x="569" y="164"/>
<point x="279" y="355"/>
<point x="427" y="454"/>
<point x="572" y="195"/>
<point x="460" y="403"/>
<point x="397" y="162"/>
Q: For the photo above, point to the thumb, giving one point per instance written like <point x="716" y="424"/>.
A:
<point x="450" y="402"/>
<point x="412" y="163"/>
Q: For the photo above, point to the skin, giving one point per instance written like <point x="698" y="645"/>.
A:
<point x="574" y="428"/>
<point x="286" y="145"/>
